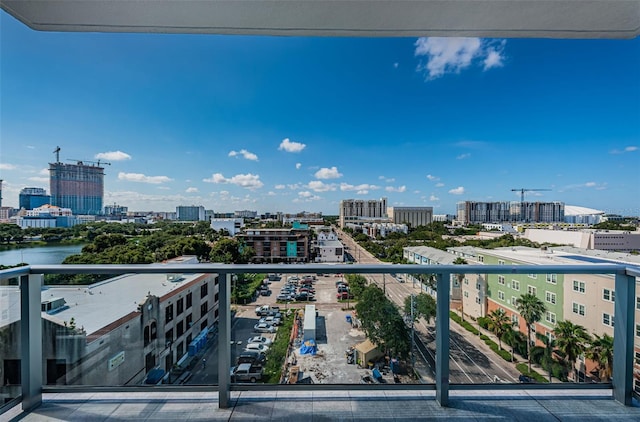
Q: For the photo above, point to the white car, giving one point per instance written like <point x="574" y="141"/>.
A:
<point x="271" y="320"/>
<point x="263" y="327"/>
<point x="260" y="340"/>
<point x="257" y="347"/>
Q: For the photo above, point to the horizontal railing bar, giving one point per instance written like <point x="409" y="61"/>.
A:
<point x="320" y="268"/>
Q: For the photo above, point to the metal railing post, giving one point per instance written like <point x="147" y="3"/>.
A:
<point x="31" y="340"/>
<point x="442" y="339"/>
<point x="224" y="340"/>
<point x="623" y="338"/>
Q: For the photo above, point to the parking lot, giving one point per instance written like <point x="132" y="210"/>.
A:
<point x="334" y="335"/>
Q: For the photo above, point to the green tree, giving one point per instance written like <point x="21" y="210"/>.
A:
<point x="601" y="352"/>
<point x="546" y="352"/>
<point x="357" y="284"/>
<point x="531" y="309"/>
<point x="499" y="323"/>
<point x="225" y="251"/>
<point x="460" y="261"/>
<point x="572" y="341"/>
<point x="424" y="306"/>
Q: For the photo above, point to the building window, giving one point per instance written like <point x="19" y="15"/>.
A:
<point x="477" y="285"/>
<point x="466" y="281"/>
<point x="501" y="280"/>
<point x="608" y="295"/>
<point x="578" y="286"/>
<point x="638" y="303"/>
<point x="189" y="300"/>
<point x="216" y="281"/>
<point x="500" y="262"/>
<point x="480" y="258"/>
<point x="477" y="300"/>
<point x="466" y="293"/>
<point x="203" y="309"/>
<point x="189" y="321"/>
<point x="637" y="358"/>
<point x="514" y="320"/>
<point x="607" y="319"/>
<point x="550" y="317"/>
<point x="532" y="290"/>
<point x="180" y="328"/>
<point x="578" y="309"/>
<point x="168" y="314"/>
<point x="515" y="285"/>
<point x="500" y="295"/>
<point x="552" y="278"/>
<point x="204" y="290"/>
<point x="514" y="300"/>
<point x="637" y="330"/>
<point x="533" y="275"/>
<point x="168" y="336"/>
<point x="180" y="306"/>
<point x="550" y="297"/>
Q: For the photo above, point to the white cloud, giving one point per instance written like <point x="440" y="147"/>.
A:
<point x="290" y="146"/>
<point x="191" y="190"/>
<point x="113" y="156"/>
<point x="361" y="187"/>
<point x="141" y="178"/>
<point x="245" y="154"/>
<point x="306" y="196"/>
<point x="6" y="166"/>
<point x="457" y="191"/>
<point x="362" y="192"/>
<point x="395" y="65"/>
<point x="318" y="186"/>
<point x="453" y="54"/>
<point x="432" y="177"/>
<point x="39" y="179"/>
<point x="247" y="181"/>
<point x="279" y="186"/>
<point x="590" y="184"/>
<point x="294" y="186"/>
<point x="433" y="198"/>
<point x="630" y="148"/>
<point x="463" y="156"/>
<point x="387" y="179"/>
<point x="398" y="189"/>
<point x="298" y="165"/>
<point x="328" y="173"/>
<point x="439" y="185"/>
<point x="494" y="59"/>
<point x="44" y="172"/>
<point x="271" y="193"/>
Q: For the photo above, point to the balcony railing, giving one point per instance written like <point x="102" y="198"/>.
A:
<point x="30" y="284"/>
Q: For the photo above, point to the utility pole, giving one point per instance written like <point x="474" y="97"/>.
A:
<point x="384" y="284"/>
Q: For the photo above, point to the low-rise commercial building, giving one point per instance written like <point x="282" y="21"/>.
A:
<point x="278" y="245"/>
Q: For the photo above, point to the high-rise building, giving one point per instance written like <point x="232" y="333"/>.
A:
<point x="115" y="210"/>
<point x="472" y="212"/>
<point x="361" y="209"/>
<point x="77" y="186"/>
<point x="31" y="198"/>
<point x="411" y="216"/>
<point x="190" y="213"/>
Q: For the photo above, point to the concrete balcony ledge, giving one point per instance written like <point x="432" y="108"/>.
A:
<point x="538" y="405"/>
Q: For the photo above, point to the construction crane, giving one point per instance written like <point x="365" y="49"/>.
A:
<point x="57" y="153"/>
<point x="522" y="191"/>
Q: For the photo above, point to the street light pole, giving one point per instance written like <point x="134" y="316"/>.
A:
<point x="413" y="335"/>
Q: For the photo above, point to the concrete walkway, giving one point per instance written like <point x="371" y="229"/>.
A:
<point x="536" y="405"/>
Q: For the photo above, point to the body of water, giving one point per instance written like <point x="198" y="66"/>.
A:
<point x="44" y="255"/>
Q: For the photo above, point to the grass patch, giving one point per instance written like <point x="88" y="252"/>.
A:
<point x="465" y="324"/>
<point x="492" y="344"/>
<point x="278" y="351"/>
<point x="246" y="287"/>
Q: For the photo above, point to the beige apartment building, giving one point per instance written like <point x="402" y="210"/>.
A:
<point x="411" y="216"/>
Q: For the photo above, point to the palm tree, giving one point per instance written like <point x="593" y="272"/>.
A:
<point x="601" y="352"/>
<point x="547" y="351"/>
<point x="531" y="309"/>
<point x="572" y="341"/>
<point x="499" y="323"/>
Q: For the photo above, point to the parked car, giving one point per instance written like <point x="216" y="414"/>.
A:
<point x="304" y="296"/>
<point x="343" y="289"/>
<point x="258" y="347"/>
<point x="285" y="297"/>
<point x="264" y="292"/>
<point x="251" y="356"/>
<point x="344" y="295"/>
<point x="245" y="372"/>
<point x="306" y="289"/>
<point x="260" y="340"/>
<point x="270" y="320"/>
<point x="264" y="328"/>
<point x="275" y="314"/>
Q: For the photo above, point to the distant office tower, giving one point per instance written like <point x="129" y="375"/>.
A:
<point x="1" y="193"/>
<point x="115" y="210"/>
<point x="190" y="213"/>
<point x="352" y="210"/>
<point x="245" y="214"/>
<point x="31" y="198"/>
<point x="411" y="216"/>
<point x="472" y="212"/>
<point x="77" y="186"/>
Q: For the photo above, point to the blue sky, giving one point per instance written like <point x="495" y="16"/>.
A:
<point x="291" y="124"/>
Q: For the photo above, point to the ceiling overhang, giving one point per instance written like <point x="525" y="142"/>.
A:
<point x="370" y="18"/>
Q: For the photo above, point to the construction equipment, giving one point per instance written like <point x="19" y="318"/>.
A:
<point x="96" y="163"/>
<point x="57" y="153"/>
<point x="522" y="191"/>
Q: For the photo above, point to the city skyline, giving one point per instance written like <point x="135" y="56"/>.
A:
<point x="291" y="124"/>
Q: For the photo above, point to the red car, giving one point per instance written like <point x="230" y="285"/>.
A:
<point x="344" y="295"/>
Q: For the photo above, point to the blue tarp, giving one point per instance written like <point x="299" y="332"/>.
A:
<point x="198" y="343"/>
<point x="308" y="348"/>
<point x="154" y="376"/>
